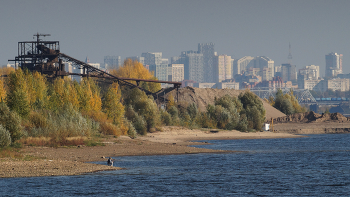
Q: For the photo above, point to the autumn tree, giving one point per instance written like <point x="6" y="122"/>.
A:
<point x="171" y="101"/>
<point x="41" y="94"/>
<point x="2" y="90"/>
<point x="112" y="105"/>
<point x="17" y="97"/>
<point x="134" y="69"/>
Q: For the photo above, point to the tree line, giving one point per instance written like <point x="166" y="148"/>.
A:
<point x="56" y="110"/>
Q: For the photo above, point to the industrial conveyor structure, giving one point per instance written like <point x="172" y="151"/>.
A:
<point x="45" y="57"/>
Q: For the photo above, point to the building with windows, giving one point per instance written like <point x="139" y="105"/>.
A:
<point x="193" y="65"/>
<point x="207" y="49"/>
<point x="112" y="62"/>
<point x="260" y="66"/>
<point x="266" y="66"/>
<point x="160" y="71"/>
<point x="176" y="72"/>
<point x="334" y="64"/>
<point x="240" y="65"/>
<point x="222" y="68"/>
<point x="335" y="84"/>
<point x="152" y="58"/>
<point x="228" y="85"/>
<point x="310" y="72"/>
<point x="288" y="72"/>
<point x="309" y="84"/>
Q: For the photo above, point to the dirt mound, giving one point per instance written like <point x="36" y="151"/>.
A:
<point x="334" y="117"/>
<point x="308" y="117"/>
<point x="298" y="117"/>
<point x="204" y="96"/>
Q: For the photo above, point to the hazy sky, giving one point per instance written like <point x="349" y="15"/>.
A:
<point x="129" y="27"/>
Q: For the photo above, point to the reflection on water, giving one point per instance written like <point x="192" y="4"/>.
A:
<point x="313" y="166"/>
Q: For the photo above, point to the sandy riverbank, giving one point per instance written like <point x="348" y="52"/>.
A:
<point x="71" y="160"/>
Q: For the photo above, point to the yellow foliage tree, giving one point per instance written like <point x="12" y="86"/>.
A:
<point x="65" y="91"/>
<point x="3" y="71"/>
<point x="2" y="91"/>
<point x="134" y="69"/>
<point x="95" y="102"/>
<point x="40" y="87"/>
<point x="17" y="95"/>
<point x="31" y="90"/>
<point x="171" y="101"/>
<point x="297" y="107"/>
<point x="112" y="104"/>
<point x="85" y="95"/>
<point x="73" y="95"/>
<point x="6" y="70"/>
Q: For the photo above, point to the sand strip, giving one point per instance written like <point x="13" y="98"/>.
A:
<point x="71" y="160"/>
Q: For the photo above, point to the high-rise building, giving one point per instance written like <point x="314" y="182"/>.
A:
<point x="288" y="72"/>
<point x="112" y="62"/>
<point x="160" y="71"/>
<point x="334" y="64"/>
<point x="152" y="58"/>
<point x="207" y="49"/>
<point x="310" y="72"/>
<point x="193" y="66"/>
<point x="222" y="68"/>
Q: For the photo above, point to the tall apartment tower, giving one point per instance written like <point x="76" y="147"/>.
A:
<point x="207" y="49"/>
<point x="222" y="65"/>
<point x="288" y="72"/>
<point x="152" y="58"/>
<point x="334" y="64"/>
<point x="112" y="62"/>
<point x="193" y="65"/>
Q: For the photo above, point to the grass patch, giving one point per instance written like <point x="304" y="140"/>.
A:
<point x="10" y="152"/>
<point x="53" y="142"/>
<point x="93" y="142"/>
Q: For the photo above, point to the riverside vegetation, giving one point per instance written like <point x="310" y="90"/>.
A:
<point x="61" y="112"/>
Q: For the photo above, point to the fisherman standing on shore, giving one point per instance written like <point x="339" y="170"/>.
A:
<point x="110" y="162"/>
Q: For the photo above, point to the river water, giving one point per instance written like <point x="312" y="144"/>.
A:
<point x="318" y="165"/>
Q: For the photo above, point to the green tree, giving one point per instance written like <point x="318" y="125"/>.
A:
<point x="287" y="103"/>
<point x="11" y="122"/>
<point x="5" y="137"/>
<point x="253" y="109"/>
<point x="17" y="97"/>
<point x="137" y="121"/>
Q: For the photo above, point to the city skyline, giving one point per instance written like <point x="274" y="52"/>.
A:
<point x="129" y="28"/>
